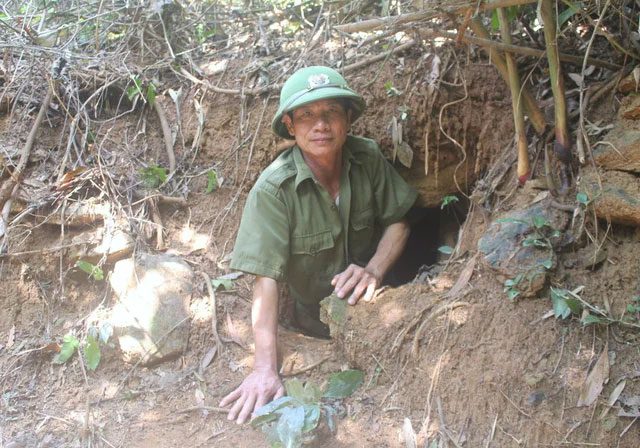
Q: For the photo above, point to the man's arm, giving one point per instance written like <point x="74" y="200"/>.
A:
<point x="263" y="384"/>
<point x="359" y="280"/>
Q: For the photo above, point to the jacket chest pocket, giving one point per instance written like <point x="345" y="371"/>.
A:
<point x="362" y="235"/>
<point x="311" y="244"/>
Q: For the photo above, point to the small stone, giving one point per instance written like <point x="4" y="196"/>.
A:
<point x="150" y="318"/>
<point x="535" y="398"/>
<point x="533" y="379"/>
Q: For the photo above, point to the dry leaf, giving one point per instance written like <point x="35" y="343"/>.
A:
<point x="613" y="397"/>
<point x="233" y="332"/>
<point x="576" y="78"/>
<point x="463" y="279"/>
<point x="594" y="383"/>
<point x="408" y="434"/>
<point x="12" y="337"/>
<point x="405" y="154"/>
<point x="207" y="358"/>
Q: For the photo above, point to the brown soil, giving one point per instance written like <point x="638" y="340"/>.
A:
<point x="483" y="372"/>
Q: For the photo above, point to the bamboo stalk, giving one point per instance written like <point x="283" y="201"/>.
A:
<point x="562" y="144"/>
<point x="528" y="101"/>
<point x="523" y="169"/>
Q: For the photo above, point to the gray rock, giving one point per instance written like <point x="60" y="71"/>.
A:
<point x="618" y="200"/>
<point x="503" y="250"/>
<point x="150" y="318"/>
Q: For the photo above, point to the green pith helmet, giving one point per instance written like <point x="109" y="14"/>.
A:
<point x="312" y="84"/>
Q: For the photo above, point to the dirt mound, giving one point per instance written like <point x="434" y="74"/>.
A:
<point x="447" y="353"/>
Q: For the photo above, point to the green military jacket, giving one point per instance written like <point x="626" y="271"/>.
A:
<point x="292" y="231"/>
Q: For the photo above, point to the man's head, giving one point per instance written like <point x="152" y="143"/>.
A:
<point x="310" y="85"/>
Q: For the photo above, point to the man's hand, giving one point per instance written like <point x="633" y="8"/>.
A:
<point x="358" y="281"/>
<point x="258" y="389"/>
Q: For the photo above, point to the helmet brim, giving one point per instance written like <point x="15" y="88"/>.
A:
<point x="326" y="93"/>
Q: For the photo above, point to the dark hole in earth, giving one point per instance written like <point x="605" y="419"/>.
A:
<point x="431" y="228"/>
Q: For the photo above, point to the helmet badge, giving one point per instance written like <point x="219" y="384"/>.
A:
<point x="318" y="80"/>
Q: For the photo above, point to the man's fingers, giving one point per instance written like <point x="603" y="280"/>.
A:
<point x="233" y="396"/>
<point x="370" y="292"/>
<point x="247" y="409"/>
<point x="261" y="401"/>
<point x="237" y="406"/>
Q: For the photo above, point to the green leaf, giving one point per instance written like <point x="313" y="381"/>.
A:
<point x="631" y="309"/>
<point x="447" y="250"/>
<point x="547" y="264"/>
<point x="311" y="417"/>
<point x="512" y="294"/>
<point x="388" y="86"/>
<point x="449" y="199"/>
<point x="212" y="181"/>
<point x="269" y="412"/>
<point x="591" y="319"/>
<point x="563" y="305"/>
<point x="295" y="388"/>
<point x="565" y="15"/>
<point x="69" y="345"/>
<point x="289" y="426"/>
<point x="151" y="93"/>
<point x="224" y="283"/>
<point x="539" y="221"/>
<point x="92" y="353"/>
<point x="582" y="198"/>
<point x="343" y="384"/>
<point x="91" y="269"/>
<point x="153" y="176"/>
<point x="136" y="89"/>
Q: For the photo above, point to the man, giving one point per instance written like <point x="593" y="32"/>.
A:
<point x="326" y="216"/>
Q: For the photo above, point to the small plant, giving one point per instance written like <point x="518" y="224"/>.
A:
<point x="94" y="272"/>
<point x="448" y="200"/>
<point x="289" y="421"/>
<point x="212" y="181"/>
<point x="153" y="176"/>
<point x="633" y="308"/>
<point x="391" y="90"/>
<point x="138" y="90"/>
<point x="89" y="346"/>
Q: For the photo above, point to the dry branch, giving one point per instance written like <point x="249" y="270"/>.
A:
<point x="374" y="24"/>
<point x="378" y="57"/>
<point x="8" y="186"/>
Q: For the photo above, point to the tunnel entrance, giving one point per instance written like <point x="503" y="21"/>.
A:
<point x="431" y="228"/>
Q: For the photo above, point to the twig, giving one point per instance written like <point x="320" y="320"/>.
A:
<point x="378" y="57"/>
<point x="168" y="139"/>
<point x="304" y="369"/>
<point x="214" y="312"/>
<point x="437" y="312"/>
<point x="203" y="408"/>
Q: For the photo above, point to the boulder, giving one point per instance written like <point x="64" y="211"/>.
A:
<point x="503" y="246"/>
<point x="618" y="201"/>
<point x="150" y="318"/>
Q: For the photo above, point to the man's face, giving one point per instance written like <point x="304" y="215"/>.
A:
<point x="320" y="128"/>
